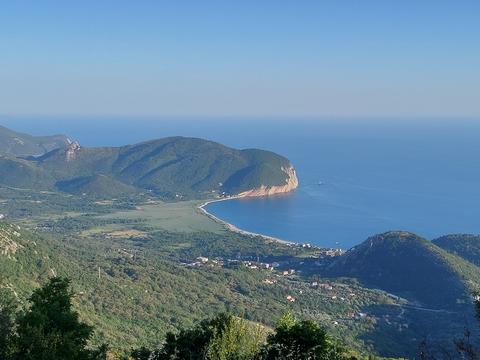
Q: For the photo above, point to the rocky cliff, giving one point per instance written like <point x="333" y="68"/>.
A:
<point x="72" y="150"/>
<point x="291" y="183"/>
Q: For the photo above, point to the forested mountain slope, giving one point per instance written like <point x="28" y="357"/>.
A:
<point x="174" y="167"/>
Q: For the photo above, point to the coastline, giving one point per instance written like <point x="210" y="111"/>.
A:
<point x="233" y="228"/>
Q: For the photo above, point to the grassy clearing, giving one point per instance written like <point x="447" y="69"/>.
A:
<point x="176" y="217"/>
<point x="127" y="234"/>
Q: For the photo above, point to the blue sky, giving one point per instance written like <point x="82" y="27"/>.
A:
<point x="240" y="58"/>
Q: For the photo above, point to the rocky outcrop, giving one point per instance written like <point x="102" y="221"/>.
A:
<point x="291" y="183"/>
<point x="71" y="151"/>
<point x="9" y="236"/>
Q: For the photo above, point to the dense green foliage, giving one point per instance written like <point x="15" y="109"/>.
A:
<point x="228" y="338"/>
<point x="304" y="340"/>
<point x="175" y="167"/>
<point x="50" y="328"/>
<point x="221" y="338"/>
<point x="145" y="291"/>
<point x="409" y="266"/>
<point x="137" y="288"/>
<point x="21" y="173"/>
<point x="8" y="310"/>
<point x="97" y="186"/>
<point x="19" y="144"/>
<point x="466" y="246"/>
<point x="437" y="285"/>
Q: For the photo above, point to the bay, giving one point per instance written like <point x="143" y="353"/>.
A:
<point x="358" y="177"/>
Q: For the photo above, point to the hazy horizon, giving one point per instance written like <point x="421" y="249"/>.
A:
<point x="316" y="59"/>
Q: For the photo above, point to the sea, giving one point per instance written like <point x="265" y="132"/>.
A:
<point x="358" y="177"/>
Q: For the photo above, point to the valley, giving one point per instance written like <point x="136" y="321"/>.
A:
<point x="143" y="263"/>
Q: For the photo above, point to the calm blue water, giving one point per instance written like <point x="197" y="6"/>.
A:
<point x="422" y="176"/>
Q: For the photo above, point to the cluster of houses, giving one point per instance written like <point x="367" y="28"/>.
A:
<point x="231" y="263"/>
<point x="320" y="252"/>
<point x="259" y="265"/>
<point x="336" y="292"/>
<point x="290" y="298"/>
<point x="205" y="261"/>
<point x="335" y="295"/>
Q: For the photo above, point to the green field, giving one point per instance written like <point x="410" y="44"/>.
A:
<point x="176" y="217"/>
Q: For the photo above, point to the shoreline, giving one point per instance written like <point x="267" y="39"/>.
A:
<point x="230" y="227"/>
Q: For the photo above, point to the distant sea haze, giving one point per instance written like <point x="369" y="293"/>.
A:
<point x="358" y="177"/>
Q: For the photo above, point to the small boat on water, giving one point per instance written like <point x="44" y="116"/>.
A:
<point x="320" y="183"/>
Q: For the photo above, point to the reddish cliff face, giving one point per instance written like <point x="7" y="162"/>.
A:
<point x="291" y="183"/>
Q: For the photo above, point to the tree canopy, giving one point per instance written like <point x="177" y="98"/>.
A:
<point x="50" y="328"/>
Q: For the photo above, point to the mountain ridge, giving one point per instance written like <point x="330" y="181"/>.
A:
<point x="412" y="267"/>
<point x="466" y="246"/>
<point x="20" y="144"/>
<point x="172" y="167"/>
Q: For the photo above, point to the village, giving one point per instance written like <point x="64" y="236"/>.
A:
<point x="318" y="257"/>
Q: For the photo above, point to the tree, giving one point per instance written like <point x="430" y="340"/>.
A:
<point x="141" y="354"/>
<point x="306" y="339"/>
<point x="236" y="340"/>
<point x="8" y="309"/>
<point x="51" y="329"/>
<point x="224" y="337"/>
<point x="187" y="344"/>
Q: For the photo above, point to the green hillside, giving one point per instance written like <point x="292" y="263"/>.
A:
<point x="135" y="289"/>
<point x="23" y="174"/>
<point x="466" y="246"/>
<point x="174" y="168"/>
<point x="100" y="186"/>
<point x="19" y="144"/>
<point x="409" y="266"/>
<point x="23" y="261"/>
<point x="438" y="286"/>
<point x="190" y="165"/>
<point x="131" y="266"/>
